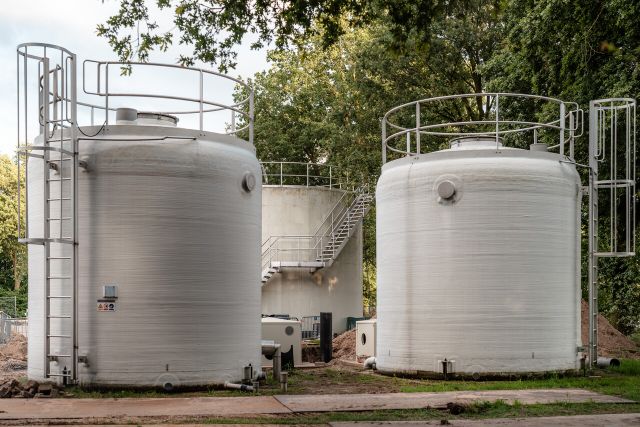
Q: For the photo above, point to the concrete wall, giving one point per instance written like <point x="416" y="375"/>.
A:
<point x="299" y="292"/>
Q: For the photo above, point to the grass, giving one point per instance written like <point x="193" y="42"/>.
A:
<point x="623" y="381"/>
<point x="476" y="411"/>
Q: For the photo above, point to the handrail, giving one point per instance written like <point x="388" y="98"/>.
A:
<point x="325" y="235"/>
<point x="489" y="106"/>
<point x="301" y="173"/>
<point x="243" y="109"/>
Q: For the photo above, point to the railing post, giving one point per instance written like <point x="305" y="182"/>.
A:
<point x="571" y="133"/>
<point x="418" y="127"/>
<point x="384" y="140"/>
<point x="408" y="144"/>
<point x="562" y="127"/>
<point x="281" y="165"/>
<point x="330" y="178"/>
<point x="251" y="114"/>
<point x="497" y="122"/>
<point x="200" y="114"/>
<point x="307" y="174"/>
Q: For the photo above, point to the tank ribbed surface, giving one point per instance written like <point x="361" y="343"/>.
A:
<point x="169" y="223"/>
<point x="487" y="279"/>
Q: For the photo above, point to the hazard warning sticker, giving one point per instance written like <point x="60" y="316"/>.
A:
<point x="106" y="306"/>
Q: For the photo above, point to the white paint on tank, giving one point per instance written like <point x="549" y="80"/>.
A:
<point x="170" y="225"/>
<point x="487" y="277"/>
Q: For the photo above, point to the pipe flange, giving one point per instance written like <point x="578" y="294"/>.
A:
<point x="447" y="189"/>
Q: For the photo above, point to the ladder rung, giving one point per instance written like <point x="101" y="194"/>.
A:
<point x="64" y="159"/>
<point x="58" y="179"/>
<point x="58" y="199"/>
<point x="59" y="277"/>
<point x="58" y="355"/>
<point x="58" y="257"/>
<point x="60" y="375"/>
<point x="59" y="219"/>
<point x="59" y="317"/>
<point x="59" y="336"/>
<point x="59" y="296"/>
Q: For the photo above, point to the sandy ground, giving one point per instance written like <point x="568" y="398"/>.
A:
<point x="13" y="358"/>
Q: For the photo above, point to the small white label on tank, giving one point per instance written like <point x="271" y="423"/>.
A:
<point x="106" y="306"/>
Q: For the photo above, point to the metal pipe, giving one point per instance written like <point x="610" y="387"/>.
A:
<point x="241" y="387"/>
<point x="607" y="362"/>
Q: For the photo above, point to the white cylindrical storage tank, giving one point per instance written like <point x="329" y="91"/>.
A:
<point x="296" y="212"/>
<point x="169" y="220"/>
<point x="478" y="254"/>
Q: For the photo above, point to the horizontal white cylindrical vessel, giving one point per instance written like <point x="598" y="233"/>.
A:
<point x="172" y="219"/>
<point x="478" y="253"/>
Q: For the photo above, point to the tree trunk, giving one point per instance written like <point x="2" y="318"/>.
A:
<point x="17" y="277"/>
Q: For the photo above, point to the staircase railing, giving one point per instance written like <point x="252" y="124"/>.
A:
<point x="322" y="245"/>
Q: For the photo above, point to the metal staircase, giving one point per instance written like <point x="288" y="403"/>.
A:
<point x="322" y="248"/>
<point x="55" y="151"/>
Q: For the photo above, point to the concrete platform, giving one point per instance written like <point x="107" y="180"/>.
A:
<point x="370" y="402"/>
<point x="23" y="409"/>
<point x="115" y="409"/>
<point x="621" y="420"/>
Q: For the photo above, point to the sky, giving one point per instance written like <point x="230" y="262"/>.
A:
<point x="72" y="24"/>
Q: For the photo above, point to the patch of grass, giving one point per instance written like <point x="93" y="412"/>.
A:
<point x="476" y="411"/>
<point x="623" y="381"/>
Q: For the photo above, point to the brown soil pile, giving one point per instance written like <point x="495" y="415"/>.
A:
<point x="15" y="348"/>
<point x="13" y="358"/>
<point x="611" y="342"/>
<point x="344" y="345"/>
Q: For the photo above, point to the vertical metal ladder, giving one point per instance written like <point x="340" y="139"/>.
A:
<point x="57" y="148"/>
<point x="612" y="133"/>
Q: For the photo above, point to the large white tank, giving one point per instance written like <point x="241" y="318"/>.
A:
<point x="478" y="262"/>
<point x="172" y="218"/>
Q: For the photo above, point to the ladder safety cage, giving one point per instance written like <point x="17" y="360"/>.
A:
<point x="612" y="185"/>
<point x="522" y="118"/>
<point x="52" y="71"/>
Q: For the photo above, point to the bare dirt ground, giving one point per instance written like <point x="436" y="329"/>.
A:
<point x="13" y="358"/>
<point x="611" y="342"/>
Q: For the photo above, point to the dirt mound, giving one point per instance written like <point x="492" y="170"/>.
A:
<point x="14" y="349"/>
<point x="344" y="345"/>
<point x="611" y="342"/>
<point x="13" y="358"/>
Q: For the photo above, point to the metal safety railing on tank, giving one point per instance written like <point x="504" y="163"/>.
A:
<point x="241" y="112"/>
<point x="512" y="119"/>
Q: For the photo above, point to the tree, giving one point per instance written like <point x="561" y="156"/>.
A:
<point x="318" y="104"/>
<point x="215" y="27"/>
<point x="12" y="252"/>
<point x="578" y="51"/>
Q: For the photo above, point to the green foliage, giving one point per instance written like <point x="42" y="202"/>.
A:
<point x="215" y="27"/>
<point x="578" y="51"/>
<point x="12" y="254"/>
<point x="318" y="104"/>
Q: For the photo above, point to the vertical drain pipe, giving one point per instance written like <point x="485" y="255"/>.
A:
<point x="326" y="340"/>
